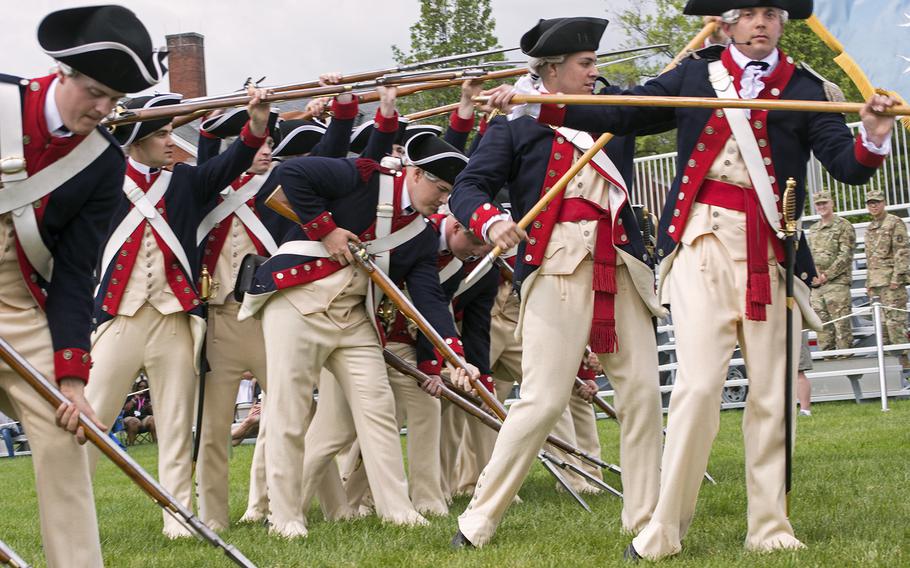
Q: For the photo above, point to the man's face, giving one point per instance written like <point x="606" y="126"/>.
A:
<point x="462" y="242"/>
<point x="426" y="196"/>
<point x="574" y="76"/>
<point x="262" y="161"/>
<point x="823" y="208"/>
<point x="83" y="102"/>
<point x="760" y="27"/>
<point x="155" y="150"/>
<point x="875" y="206"/>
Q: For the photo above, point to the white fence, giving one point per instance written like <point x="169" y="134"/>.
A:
<point x="654" y="176"/>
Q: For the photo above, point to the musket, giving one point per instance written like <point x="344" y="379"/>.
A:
<point x="792" y="105"/>
<point x="121" y="459"/>
<point x="370" y="75"/>
<point x="9" y="557"/>
<point x="383" y="282"/>
<point x="602" y="141"/>
<point x="277" y="202"/>
<point x="445" y="109"/>
<point x="463" y="401"/>
<point x="170" y="111"/>
<point x="790" y="244"/>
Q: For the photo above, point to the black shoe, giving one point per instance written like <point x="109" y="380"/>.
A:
<point x="630" y="554"/>
<point x="460" y="541"/>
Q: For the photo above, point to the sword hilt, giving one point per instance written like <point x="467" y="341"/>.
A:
<point x="789" y="207"/>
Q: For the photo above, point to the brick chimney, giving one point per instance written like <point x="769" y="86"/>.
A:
<point x="186" y="73"/>
<point x="186" y="64"/>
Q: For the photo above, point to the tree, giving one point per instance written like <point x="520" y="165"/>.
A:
<point x="663" y="22"/>
<point x="446" y="27"/>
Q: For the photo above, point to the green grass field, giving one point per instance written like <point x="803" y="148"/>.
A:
<point x="850" y="505"/>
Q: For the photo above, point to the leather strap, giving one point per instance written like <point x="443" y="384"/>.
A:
<point x="12" y="153"/>
<point x="235" y="203"/>
<point x="723" y="85"/>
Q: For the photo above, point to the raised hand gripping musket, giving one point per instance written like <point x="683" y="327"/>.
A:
<point x="790" y="243"/>
<point x="9" y="557"/>
<point x="598" y="145"/>
<point x="121" y="459"/>
<point x="233" y="100"/>
<point x="445" y="109"/>
<point x="468" y="404"/>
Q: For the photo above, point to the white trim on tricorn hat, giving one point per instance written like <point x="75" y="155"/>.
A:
<point x="107" y="43"/>
<point x="796" y="9"/>
<point x="139" y="130"/>
<point x="297" y="131"/>
<point x="434" y="155"/>
<point x="559" y="36"/>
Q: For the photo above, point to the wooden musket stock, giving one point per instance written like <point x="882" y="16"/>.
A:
<point x="121" y="459"/>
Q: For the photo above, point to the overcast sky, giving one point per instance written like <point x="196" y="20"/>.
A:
<point x="285" y="40"/>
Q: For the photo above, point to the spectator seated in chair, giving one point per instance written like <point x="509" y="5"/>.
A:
<point x="137" y="414"/>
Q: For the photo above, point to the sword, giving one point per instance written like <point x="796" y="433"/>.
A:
<point x="790" y="230"/>
<point x="205" y="294"/>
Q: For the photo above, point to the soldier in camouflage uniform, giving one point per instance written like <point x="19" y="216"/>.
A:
<point x="832" y="241"/>
<point x="888" y="259"/>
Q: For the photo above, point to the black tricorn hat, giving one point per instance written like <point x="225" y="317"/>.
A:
<point x="413" y="130"/>
<point x="560" y="36"/>
<point x="797" y="9"/>
<point x="129" y="133"/>
<point x="436" y="156"/>
<point x="231" y="122"/>
<point x="360" y="136"/>
<point x="297" y="137"/>
<point x="107" y="43"/>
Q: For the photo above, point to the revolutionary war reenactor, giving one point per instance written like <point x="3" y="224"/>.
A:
<point x="147" y="306"/>
<point x="584" y="261"/>
<point x="310" y="288"/>
<point x="832" y="241"/>
<point x="239" y="224"/>
<point x="888" y="263"/>
<point x="61" y="176"/>
<point x="720" y="272"/>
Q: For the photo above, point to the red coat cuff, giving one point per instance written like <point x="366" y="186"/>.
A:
<point x="864" y="156"/>
<point x="72" y="362"/>
<point x="431" y="366"/>
<point x="554" y="114"/>
<point x="482" y="127"/>
<point x="480" y="216"/>
<point x="319" y="226"/>
<point x="251" y="140"/>
<point x="344" y="111"/>
<point x="384" y="124"/>
<point x="487" y="382"/>
<point x="456" y="345"/>
<point x="586" y="373"/>
<point x="459" y="124"/>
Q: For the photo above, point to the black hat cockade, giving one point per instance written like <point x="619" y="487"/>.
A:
<point x="128" y="133"/>
<point x="796" y="9"/>
<point x="560" y="36"/>
<point x="436" y="156"/>
<point x="107" y="43"/>
<point x="297" y="137"/>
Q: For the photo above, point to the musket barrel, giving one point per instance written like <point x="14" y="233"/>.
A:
<point x="702" y="102"/>
<point x="121" y="459"/>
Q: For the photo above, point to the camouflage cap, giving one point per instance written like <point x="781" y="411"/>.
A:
<point x="822" y="196"/>
<point x="875" y="195"/>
